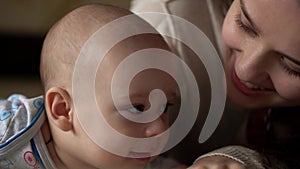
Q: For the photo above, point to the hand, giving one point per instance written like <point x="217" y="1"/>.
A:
<point x="217" y="162"/>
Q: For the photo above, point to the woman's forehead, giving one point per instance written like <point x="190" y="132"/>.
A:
<point x="278" y="21"/>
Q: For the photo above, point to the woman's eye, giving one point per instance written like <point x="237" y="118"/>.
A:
<point x="244" y="27"/>
<point x="290" y="68"/>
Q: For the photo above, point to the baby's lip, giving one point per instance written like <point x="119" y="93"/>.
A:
<point x="139" y="155"/>
<point x="143" y="157"/>
<point x="144" y="150"/>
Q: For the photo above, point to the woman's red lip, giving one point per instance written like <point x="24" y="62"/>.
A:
<point x="243" y="88"/>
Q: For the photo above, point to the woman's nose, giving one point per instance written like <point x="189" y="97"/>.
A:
<point x="253" y="64"/>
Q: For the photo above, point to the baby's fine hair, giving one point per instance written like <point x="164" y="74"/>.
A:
<point x="65" y="39"/>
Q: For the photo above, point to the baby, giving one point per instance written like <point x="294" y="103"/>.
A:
<point x="46" y="131"/>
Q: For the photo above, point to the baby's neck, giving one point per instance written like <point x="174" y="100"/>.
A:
<point x="46" y="133"/>
<point x="50" y="144"/>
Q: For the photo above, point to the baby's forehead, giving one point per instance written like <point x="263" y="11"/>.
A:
<point x="130" y="46"/>
<point x="132" y="52"/>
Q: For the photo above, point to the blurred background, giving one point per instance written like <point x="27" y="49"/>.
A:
<point x="23" y="26"/>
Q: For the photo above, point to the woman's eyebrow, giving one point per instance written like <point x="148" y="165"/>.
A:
<point x="246" y="14"/>
<point x="290" y="58"/>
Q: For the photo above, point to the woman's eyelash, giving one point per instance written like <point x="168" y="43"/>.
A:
<point x="289" y="70"/>
<point x="244" y="27"/>
<point x="240" y="23"/>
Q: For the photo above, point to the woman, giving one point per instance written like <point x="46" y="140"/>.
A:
<point x="262" y="63"/>
<point x="260" y="53"/>
<point x="258" y="42"/>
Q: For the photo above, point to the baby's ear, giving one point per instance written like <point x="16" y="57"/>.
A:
<point x="59" y="108"/>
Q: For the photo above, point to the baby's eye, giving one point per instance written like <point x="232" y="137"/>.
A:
<point x="165" y="108"/>
<point x="137" y="109"/>
<point x="141" y="108"/>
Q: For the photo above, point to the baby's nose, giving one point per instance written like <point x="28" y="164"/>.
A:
<point x="156" y="127"/>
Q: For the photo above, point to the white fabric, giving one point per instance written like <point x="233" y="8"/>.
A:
<point x="21" y="141"/>
<point x="249" y="158"/>
<point x="202" y="13"/>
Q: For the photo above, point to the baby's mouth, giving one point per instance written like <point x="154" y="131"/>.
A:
<point x="133" y="154"/>
<point x="141" y="156"/>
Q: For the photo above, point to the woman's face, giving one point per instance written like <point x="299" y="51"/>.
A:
<point x="262" y="53"/>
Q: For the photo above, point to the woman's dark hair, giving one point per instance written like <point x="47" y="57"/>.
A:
<point x="225" y="5"/>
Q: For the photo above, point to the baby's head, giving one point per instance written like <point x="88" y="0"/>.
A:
<point x="71" y="142"/>
<point x="66" y="38"/>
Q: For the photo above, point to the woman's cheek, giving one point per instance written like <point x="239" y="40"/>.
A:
<point x="232" y="37"/>
<point x="287" y="89"/>
<point x="231" y="33"/>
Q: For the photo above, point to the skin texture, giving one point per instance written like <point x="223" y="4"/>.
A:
<point x="257" y="53"/>
<point x="71" y="148"/>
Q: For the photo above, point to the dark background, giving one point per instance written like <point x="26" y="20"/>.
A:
<point x="20" y="54"/>
<point x="23" y="27"/>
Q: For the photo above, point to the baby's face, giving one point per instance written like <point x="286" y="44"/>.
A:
<point x="125" y="109"/>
